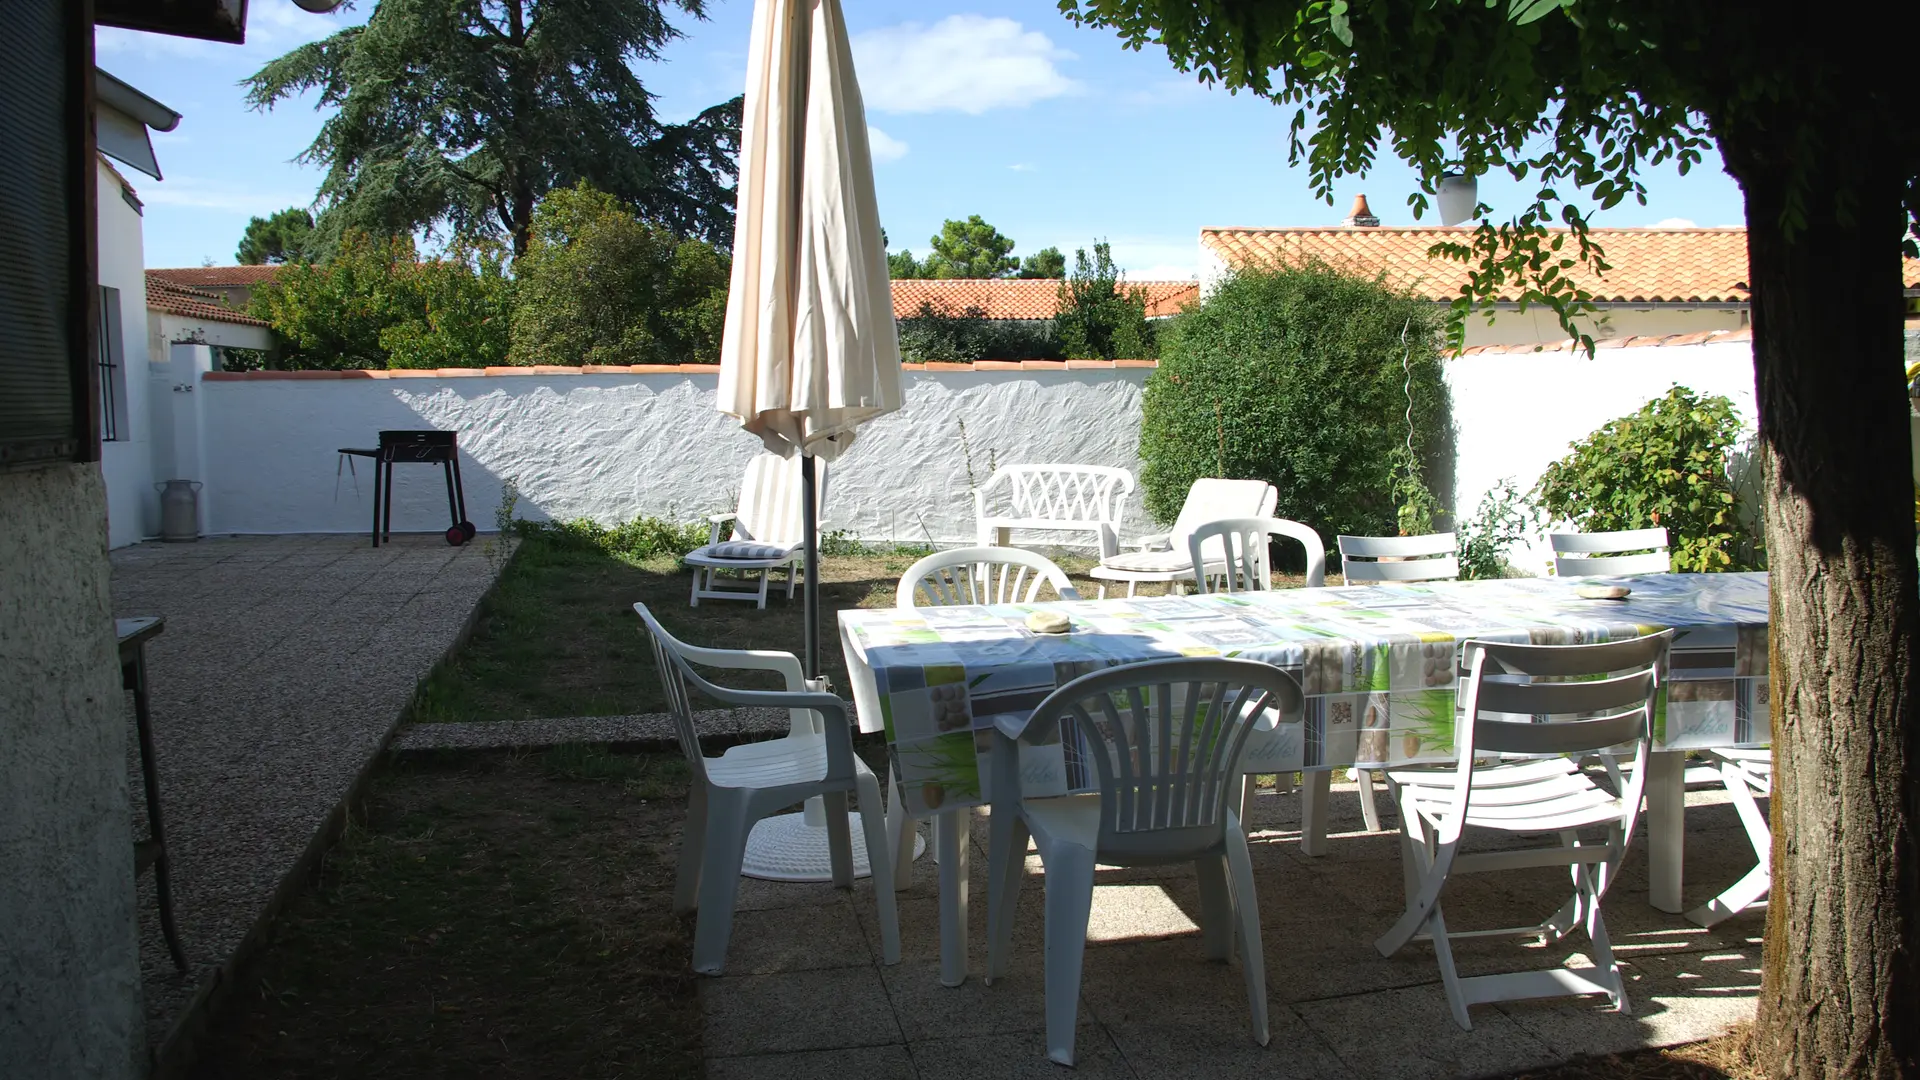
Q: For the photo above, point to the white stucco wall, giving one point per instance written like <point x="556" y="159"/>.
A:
<point x="1537" y="325"/>
<point x="613" y="447"/>
<point x="1516" y="413"/>
<point x="127" y="462"/>
<point x="70" y="998"/>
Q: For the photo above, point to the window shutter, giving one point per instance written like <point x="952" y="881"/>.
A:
<point x="48" y="408"/>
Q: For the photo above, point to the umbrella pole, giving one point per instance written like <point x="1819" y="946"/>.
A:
<point x="810" y="522"/>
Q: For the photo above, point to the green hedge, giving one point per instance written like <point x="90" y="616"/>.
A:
<point x="1294" y="375"/>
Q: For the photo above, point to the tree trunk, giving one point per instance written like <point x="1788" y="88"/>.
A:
<point x="1840" y="993"/>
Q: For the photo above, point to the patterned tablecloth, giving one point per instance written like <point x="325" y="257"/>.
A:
<point x="1377" y="664"/>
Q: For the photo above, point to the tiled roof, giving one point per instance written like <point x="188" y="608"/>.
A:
<point x="1019" y="298"/>
<point x="164" y="294"/>
<point x="215" y="276"/>
<point x="1648" y="265"/>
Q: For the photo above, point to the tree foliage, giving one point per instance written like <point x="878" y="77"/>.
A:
<point x="1295" y="376"/>
<point x="1666" y="465"/>
<point x="460" y="114"/>
<point x="969" y="249"/>
<point x="1099" y="318"/>
<point x="285" y="237"/>
<point x="374" y="304"/>
<point x="1048" y="262"/>
<point x="942" y="333"/>
<point x="598" y="285"/>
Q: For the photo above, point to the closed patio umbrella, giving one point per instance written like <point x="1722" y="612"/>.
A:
<point x="810" y="351"/>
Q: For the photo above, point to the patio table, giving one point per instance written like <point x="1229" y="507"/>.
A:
<point x="1377" y="664"/>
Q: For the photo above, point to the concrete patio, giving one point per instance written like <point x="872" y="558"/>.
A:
<point x="804" y="995"/>
<point x="283" y="669"/>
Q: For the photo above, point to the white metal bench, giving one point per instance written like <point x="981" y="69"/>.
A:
<point x="1053" y="498"/>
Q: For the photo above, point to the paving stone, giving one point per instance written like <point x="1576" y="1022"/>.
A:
<point x="1674" y="999"/>
<point x="1020" y="1055"/>
<point x="851" y="1063"/>
<point x="797" y="939"/>
<point x="1410" y="1035"/>
<point x="801" y="1010"/>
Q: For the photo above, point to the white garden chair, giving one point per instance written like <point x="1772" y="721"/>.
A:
<point x="1165" y="739"/>
<point x="1747" y="775"/>
<point x="981" y="575"/>
<point x="1608" y="713"/>
<point x="1164" y="557"/>
<point x="1053" y="498"/>
<point x="1365" y="559"/>
<point x="1605" y="554"/>
<point x="768" y="532"/>
<point x="1241" y="544"/>
<point x="753" y="780"/>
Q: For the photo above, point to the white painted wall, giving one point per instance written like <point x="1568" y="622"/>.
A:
<point x="127" y="463"/>
<point x="612" y="447"/>
<point x="1537" y="325"/>
<point x="1516" y="413"/>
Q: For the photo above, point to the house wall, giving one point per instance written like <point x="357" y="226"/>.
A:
<point x="1515" y="413"/>
<point x="1612" y="322"/>
<point x="70" y="998"/>
<point x="127" y="462"/>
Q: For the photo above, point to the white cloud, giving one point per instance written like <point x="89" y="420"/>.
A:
<point x="192" y="193"/>
<point x="884" y="146"/>
<point x="1024" y="167"/>
<point x="1675" y="223"/>
<point x="963" y="63"/>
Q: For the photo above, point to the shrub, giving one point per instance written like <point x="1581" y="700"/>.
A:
<point x="943" y="333"/>
<point x="1294" y="375"/>
<point x="1503" y="518"/>
<point x="600" y="286"/>
<point x="1664" y="465"/>
<point x="1099" y="318"/>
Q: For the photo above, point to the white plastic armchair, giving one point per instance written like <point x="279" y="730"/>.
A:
<point x="981" y="575"/>
<point x="1053" y="498"/>
<point x="749" y="782"/>
<point x="1607" y="713"/>
<point x="1398" y="558"/>
<point x="1164" y="557"/>
<point x="1243" y="561"/>
<point x="1603" y="554"/>
<point x="768" y="532"/>
<point x="1165" y="739"/>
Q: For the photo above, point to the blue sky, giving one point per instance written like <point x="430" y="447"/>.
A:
<point x="1001" y="108"/>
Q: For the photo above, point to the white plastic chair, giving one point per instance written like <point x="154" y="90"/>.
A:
<point x="1598" y="554"/>
<point x="753" y="780"/>
<point x="1053" y="498"/>
<point x="981" y="575"/>
<point x="1747" y="775"/>
<point x="1165" y="739"/>
<point x="1398" y="558"/>
<point x="768" y="532"/>
<point x="1546" y="792"/>
<point x="1242" y="546"/>
<point x="1163" y="557"/>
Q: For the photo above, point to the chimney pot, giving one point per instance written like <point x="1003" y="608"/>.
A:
<point x="1361" y="216"/>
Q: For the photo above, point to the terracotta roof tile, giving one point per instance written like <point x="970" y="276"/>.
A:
<point x="1648" y="265"/>
<point x="1019" y="298"/>
<point x="173" y="298"/>
<point x="215" y="276"/>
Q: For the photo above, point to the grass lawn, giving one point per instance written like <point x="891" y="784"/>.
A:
<point x="492" y="915"/>
<point x="559" y="636"/>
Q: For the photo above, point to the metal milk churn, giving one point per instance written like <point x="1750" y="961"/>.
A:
<point x="179" y="510"/>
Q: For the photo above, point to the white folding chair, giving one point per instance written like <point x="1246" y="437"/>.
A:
<point x="753" y="780"/>
<point x="1243" y="562"/>
<point x="1608" y="711"/>
<point x="1747" y="775"/>
<point x="1368" y="559"/>
<point x="1163" y="557"/>
<point x="1165" y="740"/>
<point x="768" y="532"/>
<point x="981" y="575"/>
<point x="1398" y="558"/>
<point x="1606" y="554"/>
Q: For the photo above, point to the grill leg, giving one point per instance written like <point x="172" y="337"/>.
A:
<point x="459" y="489"/>
<point x="386" y="530"/>
<point x="453" y="508"/>
<point x="378" y="488"/>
